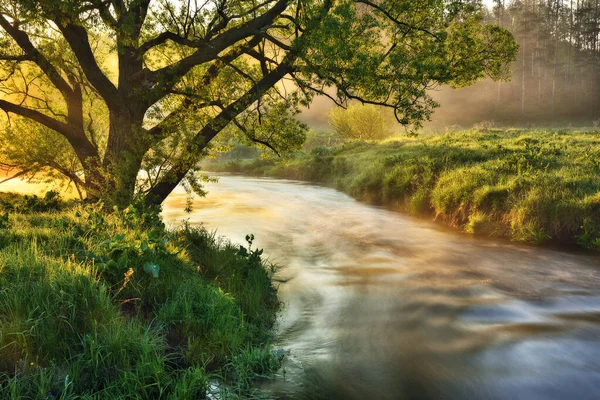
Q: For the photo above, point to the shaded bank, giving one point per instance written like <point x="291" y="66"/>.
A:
<point x="529" y="186"/>
<point x="112" y="305"/>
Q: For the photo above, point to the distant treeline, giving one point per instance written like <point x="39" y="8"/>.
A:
<point x="556" y="77"/>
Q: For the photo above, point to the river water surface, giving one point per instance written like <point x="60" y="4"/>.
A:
<point x="379" y="305"/>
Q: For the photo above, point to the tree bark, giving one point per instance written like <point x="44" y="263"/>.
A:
<point x="125" y="150"/>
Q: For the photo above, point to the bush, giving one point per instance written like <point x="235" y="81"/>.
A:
<point x="359" y="122"/>
<point x="31" y="203"/>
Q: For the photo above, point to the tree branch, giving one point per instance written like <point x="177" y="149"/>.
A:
<point x="32" y="53"/>
<point x="396" y="20"/>
<point x="77" y="38"/>
<point x="162" y="38"/>
<point x="138" y="10"/>
<point x="80" y="143"/>
<point x="103" y="7"/>
<point x="212" y="71"/>
<point x="15" y="176"/>
<point x="181" y="167"/>
<point x="209" y="50"/>
<point x="254" y="139"/>
<point x="37" y="116"/>
<point x="69" y="174"/>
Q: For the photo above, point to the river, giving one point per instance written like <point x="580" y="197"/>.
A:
<point x="379" y="305"/>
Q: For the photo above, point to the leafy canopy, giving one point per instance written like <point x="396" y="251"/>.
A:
<point x="128" y="94"/>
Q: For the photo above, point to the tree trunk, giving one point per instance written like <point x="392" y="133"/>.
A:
<point x="181" y="167"/>
<point x="123" y="159"/>
<point x="555" y="61"/>
<point x="523" y="88"/>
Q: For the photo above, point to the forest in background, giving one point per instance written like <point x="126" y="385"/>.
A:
<point x="555" y="79"/>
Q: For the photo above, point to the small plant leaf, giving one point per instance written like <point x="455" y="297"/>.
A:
<point x="152" y="268"/>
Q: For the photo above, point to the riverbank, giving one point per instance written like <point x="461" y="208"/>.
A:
<point x="114" y="305"/>
<point x="380" y="305"/>
<point x="529" y="186"/>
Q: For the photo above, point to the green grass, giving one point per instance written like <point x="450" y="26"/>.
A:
<point x="529" y="186"/>
<point x="82" y="315"/>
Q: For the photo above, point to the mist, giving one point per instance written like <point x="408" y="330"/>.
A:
<point x="555" y="80"/>
<point x="497" y="104"/>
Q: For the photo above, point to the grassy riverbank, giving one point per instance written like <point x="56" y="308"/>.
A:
<point x="529" y="186"/>
<point x="113" y="306"/>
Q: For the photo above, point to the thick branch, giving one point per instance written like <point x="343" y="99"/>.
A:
<point x="119" y="7"/>
<point x="80" y="143"/>
<point x="138" y="10"/>
<point x="166" y="126"/>
<point x="34" y="55"/>
<point x="209" y="50"/>
<point x="212" y="71"/>
<point x="181" y="167"/>
<point x="77" y="38"/>
<point x="163" y="37"/>
<point x="37" y="116"/>
<point x="103" y="7"/>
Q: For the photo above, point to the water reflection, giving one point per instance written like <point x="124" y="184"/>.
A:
<point x="379" y="305"/>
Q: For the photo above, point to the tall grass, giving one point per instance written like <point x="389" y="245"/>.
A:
<point x="114" y="306"/>
<point x="530" y="186"/>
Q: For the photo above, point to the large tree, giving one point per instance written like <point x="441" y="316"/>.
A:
<point x="136" y="89"/>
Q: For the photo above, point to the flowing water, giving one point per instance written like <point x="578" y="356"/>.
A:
<point x="379" y="305"/>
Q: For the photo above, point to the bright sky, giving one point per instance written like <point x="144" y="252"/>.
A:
<point x="20" y="186"/>
<point x="489" y="3"/>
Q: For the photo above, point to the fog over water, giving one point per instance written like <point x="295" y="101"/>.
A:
<point x="380" y="305"/>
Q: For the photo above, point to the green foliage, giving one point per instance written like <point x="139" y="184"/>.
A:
<point x="590" y="237"/>
<point x="31" y="203"/>
<point x="530" y="186"/>
<point x="82" y="317"/>
<point x="188" y="72"/>
<point x="4" y="220"/>
<point x="238" y="272"/>
<point x="41" y="154"/>
<point x="363" y="122"/>
<point x="276" y="129"/>
<point x="254" y="362"/>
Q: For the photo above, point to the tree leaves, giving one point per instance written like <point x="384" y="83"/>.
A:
<point x="184" y="72"/>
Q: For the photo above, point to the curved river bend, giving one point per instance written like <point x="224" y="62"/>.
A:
<point x="382" y="306"/>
